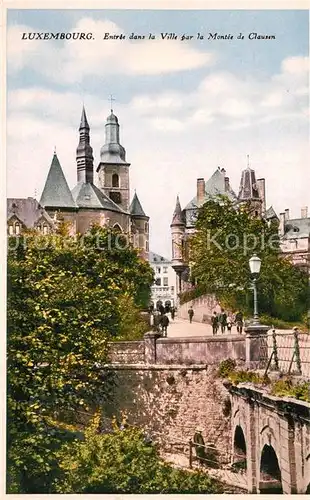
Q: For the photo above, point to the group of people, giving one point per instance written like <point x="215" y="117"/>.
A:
<point x="159" y="317"/>
<point x="222" y="321"/>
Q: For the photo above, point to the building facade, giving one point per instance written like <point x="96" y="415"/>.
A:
<point x="164" y="289"/>
<point x="295" y="238"/>
<point x="107" y="204"/>
<point x="251" y="192"/>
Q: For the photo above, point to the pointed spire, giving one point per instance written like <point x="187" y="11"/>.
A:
<point x="177" y="218"/>
<point x="248" y="161"/>
<point x="56" y="192"/>
<point x="136" y="207"/>
<point x="84" y="122"/>
<point x="84" y="152"/>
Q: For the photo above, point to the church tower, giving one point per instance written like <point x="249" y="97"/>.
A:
<point x="113" y="170"/>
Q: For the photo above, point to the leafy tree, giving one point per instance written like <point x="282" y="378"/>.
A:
<point x="219" y="252"/>
<point x="64" y="297"/>
<point x="124" y="461"/>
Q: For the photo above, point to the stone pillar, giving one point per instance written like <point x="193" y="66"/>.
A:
<point x="256" y="347"/>
<point x="287" y="459"/>
<point x="251" y="447"/>
<point x="150" y="347"/>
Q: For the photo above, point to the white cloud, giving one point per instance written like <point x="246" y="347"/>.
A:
<point x="113" y="56"/>
<point x="296" y="65"/>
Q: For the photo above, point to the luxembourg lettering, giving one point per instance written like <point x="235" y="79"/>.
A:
<point x="165" y="36"/>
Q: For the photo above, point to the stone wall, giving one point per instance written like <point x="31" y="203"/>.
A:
<point x="198" y="350"/>
<point x="183" y="350"/>
<point x="203" y="306"/>
<point x="171" y="403"/>
<point x="131" y="352"/>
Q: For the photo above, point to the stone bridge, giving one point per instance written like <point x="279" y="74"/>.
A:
<point x="271" y="440"/>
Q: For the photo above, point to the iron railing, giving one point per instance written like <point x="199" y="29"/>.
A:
<point x="288" y="352"/>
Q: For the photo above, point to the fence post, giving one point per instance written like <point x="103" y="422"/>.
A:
<point x="297" y="350"/>
<point x="150" y="347"/>
<point x="275" y="350"/>
<point x="190" y="454"/>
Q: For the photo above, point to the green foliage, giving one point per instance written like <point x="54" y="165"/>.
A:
<point x="133" y="324"/>
<point x="219" y="252"/>
<point x="226" y="367"/>
<point x="286" y="387"/>
<point x="123" y="462"/>
<point x="65" y="299"/>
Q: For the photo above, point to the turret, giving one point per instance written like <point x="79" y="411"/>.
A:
<point x="139" y="227"/>
<point x="178" y="241"/>
<point x="84" y="153"/>
<point x="252" y="192"/>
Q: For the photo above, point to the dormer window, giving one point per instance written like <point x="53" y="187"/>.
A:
<point x="17" y="228"/>
<point x="45" y="229"/>
<point x="11" y="230"/>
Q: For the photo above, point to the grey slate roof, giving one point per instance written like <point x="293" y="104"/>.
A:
<point x="214" y="186"/>
<point x="27" y="210"/>
<point x="155" y="258"/>
<point x="297" y="228"/>
<point x="87" y="195"/>
<point x="248" y="187"/>
<point x="56" y="192"/>
<point x="136" y="207"/>
<point x="178" y="216"/>
<point x="270" y="213"/>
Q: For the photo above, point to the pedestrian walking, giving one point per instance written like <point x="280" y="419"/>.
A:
<point x="190" y="314"/>
<point x="172" y="313"/>
<point x="161" y="309"/>
<point x="164" y="324"/>
<point x="223" y="320"/>
<point x="156" y="321"/>
<point x="239" y="321"/>
<point x="214" y="323"/>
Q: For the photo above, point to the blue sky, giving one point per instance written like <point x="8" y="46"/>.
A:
<point x="184" y="107"/>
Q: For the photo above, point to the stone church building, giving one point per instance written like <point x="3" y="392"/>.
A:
<point x="107" y="204"/>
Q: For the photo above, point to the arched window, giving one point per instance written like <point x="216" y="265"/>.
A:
<point x="146" y="227"/>
<point x="45" y="229"/>
<point x="146" y="246"/>
<point x="115" y="180"/>
<point x="117" y="228"/>
<point x="17" y="228"/>
<point x="11" y="230"/>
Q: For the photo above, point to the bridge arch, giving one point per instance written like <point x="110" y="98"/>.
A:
<point x="239" y="449"/>
<point x="270" y="472"/>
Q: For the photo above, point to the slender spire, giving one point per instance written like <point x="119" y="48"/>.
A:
<point x="248" y="161"/>
<point x="111" y="99"/>
<point x="84" y="152"/>
<point x="84" y="122"/>
<point x="177" y="218"/>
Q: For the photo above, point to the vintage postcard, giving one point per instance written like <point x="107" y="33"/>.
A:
<point x="158" y="248"/>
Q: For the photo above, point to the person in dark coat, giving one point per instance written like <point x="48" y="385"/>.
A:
<point x="214" y="323"/>
<point x="190" y="314"/>
<point x="164" y="324"/>
<point x="172" y="313"/>
<point x="223" y="320"/>
<point x="161" y="309"/>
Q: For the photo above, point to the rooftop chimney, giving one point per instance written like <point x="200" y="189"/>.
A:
<point x="304" y="212"/>
<point x="201" y="189"/>
<point x="282" y="224"/>
<point x="287" y="214"/>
